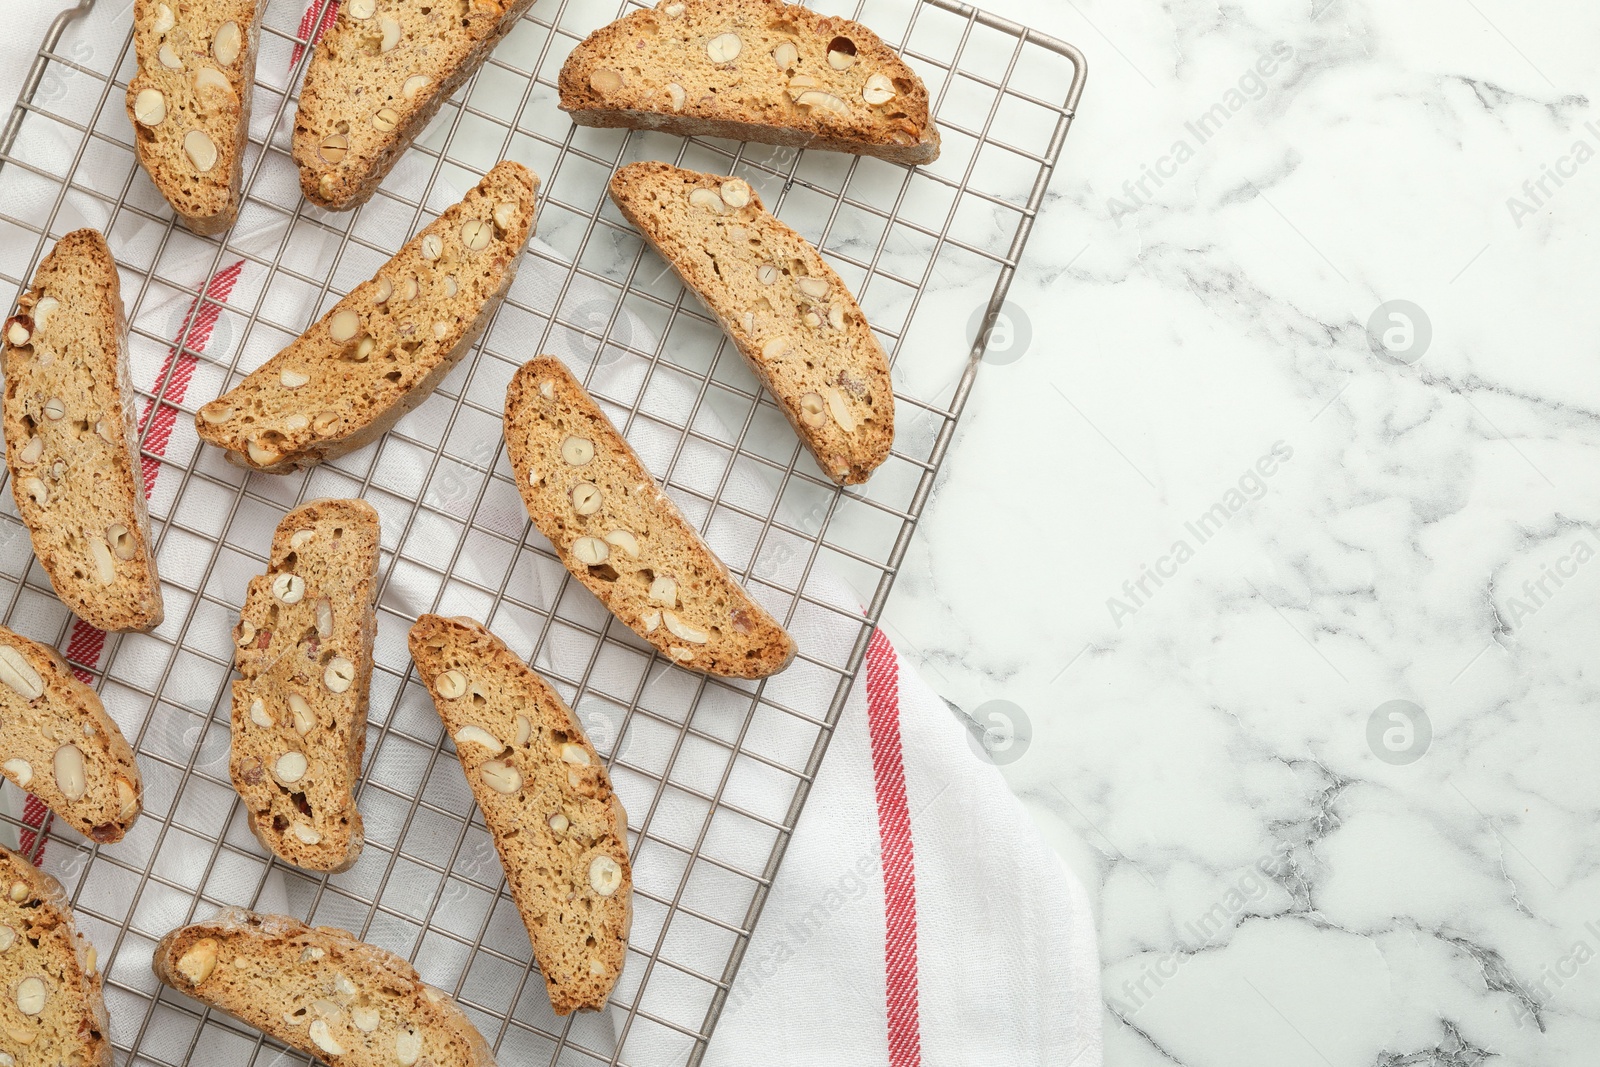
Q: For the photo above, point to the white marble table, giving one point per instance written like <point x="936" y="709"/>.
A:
<point x="1289" y="868"/>
<point x="1221" y="537"/>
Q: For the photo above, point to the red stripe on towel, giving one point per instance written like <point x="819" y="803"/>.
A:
<point x="36" y="820"/>
<point x="899" y="860"/>
<point x="311" y="30"/>
<point x="88" y="642"/>
<point x="193" y="335"/>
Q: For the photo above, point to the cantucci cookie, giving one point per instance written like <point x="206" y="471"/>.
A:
<point x="53" y="1011"/>
<point x="383" y="349"/>
<point x="189" y="102"/>
<point x="319" y="990"/>
<point x="375" y="80"/>
<point x="304" y="647"/>
<point x="751" y="70"/>
<point x="559" y="828"/>
<point x="620" y="535"/>
<point x="58" y="743"/>
<point x="71" y="440"/>
<point x="788" y="312"/>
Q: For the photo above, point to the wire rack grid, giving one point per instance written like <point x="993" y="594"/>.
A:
<point x="714" y="773"/>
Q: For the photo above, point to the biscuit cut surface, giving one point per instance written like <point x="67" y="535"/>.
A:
<point x="304" y="647"/>
<point x="790" y="314"/>
<point x="58" y="743"/>
<point x="189" y="102"/>
<point x="319" y="990"/>
<point x="71" y="441"/>
<point x="377" y="77"/>
<point x="384" y="348"/>
<point x="52" y="1010"/>
<point x="752" y="70"/>
<point x="560" y="830"/>
<point x="620" y="535"/>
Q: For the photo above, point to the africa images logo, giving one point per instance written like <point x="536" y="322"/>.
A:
<point x="1250" y="87"/>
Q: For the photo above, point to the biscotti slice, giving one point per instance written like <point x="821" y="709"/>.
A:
<point x="319" y="990"/>
<point x="54" y="1010"/>
<point x="751" y="70"/>
<point x="304" y="647"/>
<point x="58" y="743"/>
<point x="790" y="315"/>
<point x="71" y="440"/>
<point x="559" y="828"/>
<point x="383" y="349"/>
<point x="621" y="536"/>
<point x="189" y="102"/>
<point x="376" y="79"/>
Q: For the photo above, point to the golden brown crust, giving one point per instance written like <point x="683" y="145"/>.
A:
<point x="654" y="573"/>
<point x="328" y="393"/>
<point x="795" y="78"/>
<point x="361" y="105"/>
<point x="313" y="989"/>
<point x="48" y="964"/>
<point x="196" y="72"/>
<point x="305" y="651"/>
<point x="72" y="442"/>
<point x="58" y="743"/>
<point x="789" y="313"/>
<point x="546" y="798"/>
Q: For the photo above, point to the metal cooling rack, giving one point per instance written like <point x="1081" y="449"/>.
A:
<point x="714" y="774"/>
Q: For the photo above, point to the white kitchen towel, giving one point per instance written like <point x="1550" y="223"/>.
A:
<point x="918" y="917"/>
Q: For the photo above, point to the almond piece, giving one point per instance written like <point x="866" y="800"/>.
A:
<point x="477" y="735"/>
<point x="813" y="410"/>
<point x="605" y="875"/>
<point x="578" y="451"/>
<point x="209" y="79"/>
<point x="289" y="588"/>
<point x="150" y="107"/>
<point x="708" y="199"/>
<point x="344" y="326"/>
<point x="200" y="149"/>
<point x="333" y="148"/>
<point x="878" y="90"/>
<point x="501" y="777"/>
<point x="724" y="48"/>
<point x="452" y="685"/>
<point x="340" y="675"/>
<point x="18" y="674"/>
<point x="121" y="539"/>
<point x="290" y="768"/>
<point x="624" y="540"/>
<point x="201" y="959"/>
<point x="586" y="498"/>
<point x="590" y="551"/>
<point x="827" y="101"/>
<point x="227" y="44"/>
<point x="683" y="631"/>
<point x="840" y="411"/>
<point x="476" y="234"/>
